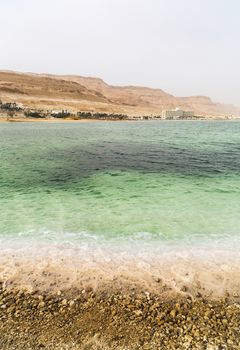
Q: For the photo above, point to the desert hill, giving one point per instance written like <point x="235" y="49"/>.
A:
<point x="77" y="93"/>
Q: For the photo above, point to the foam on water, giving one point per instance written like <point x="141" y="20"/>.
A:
<point x="142" y="263"/>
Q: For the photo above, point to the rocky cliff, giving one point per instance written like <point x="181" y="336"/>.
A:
<point x="78" y="93"/>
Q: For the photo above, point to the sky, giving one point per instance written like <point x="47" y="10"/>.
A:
<point x="185" y="47"/>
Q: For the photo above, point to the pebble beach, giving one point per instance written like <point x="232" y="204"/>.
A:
<point x="116" y="321"/>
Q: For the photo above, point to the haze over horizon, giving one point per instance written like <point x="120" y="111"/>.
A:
<point x="183" y="47"/>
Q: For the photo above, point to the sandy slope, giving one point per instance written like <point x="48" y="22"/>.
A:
<point x="93" y="94"/>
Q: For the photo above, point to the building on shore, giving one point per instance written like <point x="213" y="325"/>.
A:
<point x="11" y="106"/>
<point x="177" y="114"/>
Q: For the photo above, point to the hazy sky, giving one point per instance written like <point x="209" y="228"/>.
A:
<point x="185" y="47"/>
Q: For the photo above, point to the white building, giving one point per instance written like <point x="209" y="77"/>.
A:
<point x="177" y="114"/>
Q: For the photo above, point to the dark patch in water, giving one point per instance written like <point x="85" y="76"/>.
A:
<point x="60" y="157"/>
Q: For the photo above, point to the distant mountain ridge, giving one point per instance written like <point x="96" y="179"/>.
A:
<point x="48" y="91"/>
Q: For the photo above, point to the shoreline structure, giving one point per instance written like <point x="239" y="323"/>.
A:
<point x="15" y="113"/>
<point x="19" y="117"/>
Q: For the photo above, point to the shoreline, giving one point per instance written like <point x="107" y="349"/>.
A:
<point x="83" y="120"/>
<point x="46" y="120"/>
<point x="96" y="296"/>
<point x="166" y="269"/>
<point x="116" y="321"/>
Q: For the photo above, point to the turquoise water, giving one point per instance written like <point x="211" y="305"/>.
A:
<point x="165" y="180"/>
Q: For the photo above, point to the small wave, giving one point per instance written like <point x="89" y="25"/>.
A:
<point x="212" y="268"/>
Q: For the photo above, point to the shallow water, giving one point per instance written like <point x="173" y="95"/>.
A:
<point x="167" y="179"/>
<point x="115" y="186"/>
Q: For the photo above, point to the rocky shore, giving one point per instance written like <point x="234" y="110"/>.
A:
<point x="134" y="320"/>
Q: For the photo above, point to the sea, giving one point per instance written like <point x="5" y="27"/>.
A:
<point x="137" y="202"/>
